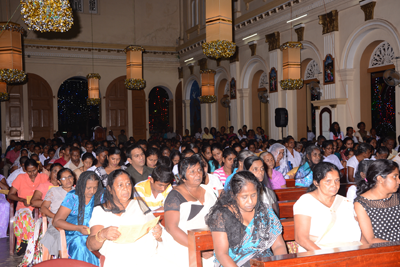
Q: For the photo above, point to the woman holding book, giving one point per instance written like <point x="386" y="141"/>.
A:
<point x="121" y="209"/>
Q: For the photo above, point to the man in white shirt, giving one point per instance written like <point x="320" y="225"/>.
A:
<point x="101" y="155"/>
<point x="198" y="135"/>
<point x="10" y="179"/>
<point x="293" y="156"/>
<point x="241" y="135"/>
<point x="111" y="137"/>
<point x="75" y="162"/>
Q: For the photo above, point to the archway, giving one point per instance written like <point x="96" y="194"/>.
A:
<point x="159" y="110"/>
<point x="195" y="111"/>
<point x="74" y="115"/>
<point x="223" y="112"/>
<point x="117" y="106"/>
<point x="378" y="100"/>
<point x="258" y="118"/>
<point x="40" y="108"/>
<point x="305" y="109"/>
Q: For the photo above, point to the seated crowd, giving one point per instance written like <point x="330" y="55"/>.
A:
<point x="103" y="194"/>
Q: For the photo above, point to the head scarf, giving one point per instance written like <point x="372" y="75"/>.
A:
<point x="284" y="166"/>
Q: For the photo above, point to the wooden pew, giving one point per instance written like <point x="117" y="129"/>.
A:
<point x="290" y="183"/>
<point x="286" y="208"/>
<point x="290" y="193"/>
<point x="201" y="240"/>
<point x="383" y="254"/>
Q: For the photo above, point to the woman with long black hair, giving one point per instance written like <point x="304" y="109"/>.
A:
<point x="242" y="226"/>
<point x="255" y="165"/>
<point x="75" y="213"/>
<point x="124" y="207"/>
<point x="335" y="132"/>
<point x="111" y="163"/>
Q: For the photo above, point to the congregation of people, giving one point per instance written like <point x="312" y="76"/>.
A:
<point x="97" y="191"/>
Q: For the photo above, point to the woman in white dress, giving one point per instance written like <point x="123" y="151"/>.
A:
<point x="185" y="208"/>
<point x="323" y="219"/>
<point x="121" y="209"/>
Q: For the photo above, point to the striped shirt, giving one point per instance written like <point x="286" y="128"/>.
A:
<point x="221" y="175"/>
<point x="144" y="190"/>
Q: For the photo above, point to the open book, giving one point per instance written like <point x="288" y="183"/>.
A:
<point x="131" y="233"/>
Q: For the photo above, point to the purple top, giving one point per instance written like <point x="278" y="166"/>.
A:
<point x="277" y="180"/>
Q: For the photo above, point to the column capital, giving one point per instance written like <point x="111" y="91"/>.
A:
<point x="329" y="22"/>
<point x="243" y="92"/>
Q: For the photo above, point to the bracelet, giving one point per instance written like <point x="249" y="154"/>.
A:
<point x="98" y="238"/>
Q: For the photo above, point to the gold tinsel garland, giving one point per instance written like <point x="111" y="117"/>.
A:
<point x="93" y="101"/>
<point x="288" y="45"/>
<point x="10" y="76"/>
<point x="219" y="49"/>
<point x="135" y="84"/>
<point x="94" y="76"/>
<point x="12" y="27"/>
<point x="291" y="84"/>
<point x="133" y="48"/>
<point x="4" y="97"/>
<point x="47" y="15"/>
<point x="208" y="99"/>
<point x="207" y="71"/>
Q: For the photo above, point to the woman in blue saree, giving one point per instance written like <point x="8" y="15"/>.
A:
<point x="242" y="226"/>
<point x="75" y="213"/>
<point x="304" y="175"/>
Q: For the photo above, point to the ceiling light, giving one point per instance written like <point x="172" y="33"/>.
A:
<point x="249" y="36"/>
<point x="188" y="59"/>
<point x="296" y="18"/>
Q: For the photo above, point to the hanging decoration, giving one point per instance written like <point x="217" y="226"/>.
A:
<point x="134" y="68"/>
<point x="10" y="57"/>
<point x="207" y="86"/>
<point x="93" y="79"/>
<point x="94" y="92"/>
<point x="291" y="66"/>
<point x="47" y="15"/>
<point x="219" y="29"/>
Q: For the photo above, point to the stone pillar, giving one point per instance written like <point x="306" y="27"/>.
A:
<point x="345" y="88"/>
<point x="213" y="115"/>
<point x="130" y="113"/>
<point x="25" y="101"/>
<point x="243" y="97"/>
<point x="277" y="99"/>
<point x="205" y="115"/>
<point x="291" y="105"/>
<point x="186" y="116"/>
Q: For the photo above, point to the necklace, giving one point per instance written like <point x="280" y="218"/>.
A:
<point x="191" y="193"/>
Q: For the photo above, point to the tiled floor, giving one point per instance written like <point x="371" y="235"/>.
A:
<point x="5" y="259"/>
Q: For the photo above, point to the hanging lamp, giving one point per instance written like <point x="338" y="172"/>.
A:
<point x="11" y="71"/>
<point x="219" y="29"/>
<point x="93" y="79"/>
<point x="47" y="15"/>
<point x="134" y="68"/>
<point x="291" y="66"/>
<point x="207" y="86"/>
